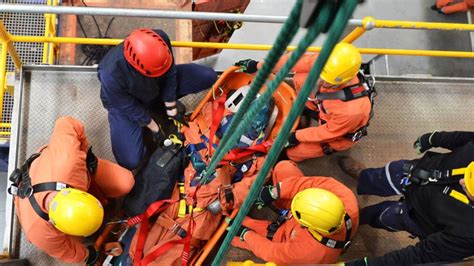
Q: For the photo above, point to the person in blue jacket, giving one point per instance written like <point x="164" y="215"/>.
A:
<point x="139" y="76"/>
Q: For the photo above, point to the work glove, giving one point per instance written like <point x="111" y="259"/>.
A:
<point x="159" y="137"/>
<point x="113" y="249"/>
<point x="179" y="120"/>
<point x="356" y="262"/>
<point x="266" y="197"/>
<point x="292" y="140"/>
<point x="91" y="161"/>
<point x="423" y="143"/>
<point x="247" y="65"/>
<point x="241" y="232"/>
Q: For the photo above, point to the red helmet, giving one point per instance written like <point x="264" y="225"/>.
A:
<point x="147" y="52"/>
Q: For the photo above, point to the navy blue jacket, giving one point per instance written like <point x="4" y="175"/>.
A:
<point x="128" y="91"/>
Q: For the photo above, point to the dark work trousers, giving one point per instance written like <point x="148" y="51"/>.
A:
<point x="127" y="136"/>
<point x="389" y="215"/>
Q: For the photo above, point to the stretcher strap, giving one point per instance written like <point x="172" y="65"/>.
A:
<point x="167" y="246"/>
<point x="217" y="115"/>
<point x="156" y="207"/>
<point x="240" y="153"/>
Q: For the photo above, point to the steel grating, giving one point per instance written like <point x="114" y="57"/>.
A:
<point x="30" y="53"/>
<point x="404" y="110"/>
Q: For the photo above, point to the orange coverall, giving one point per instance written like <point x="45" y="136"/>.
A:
<point x="341" y="117"/>
<point x="64" y="160"/>
<point x="292" y="243"/>
<point x="453" y="6"/>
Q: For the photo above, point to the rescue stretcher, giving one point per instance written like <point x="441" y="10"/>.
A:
<point x="231" y="79"/>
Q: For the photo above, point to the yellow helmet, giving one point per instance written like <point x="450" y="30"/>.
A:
<point x="319" y="210"/>
<point x="469" y="178"/>
<point x="75" y="212"/>
<point x="343" y="64"/>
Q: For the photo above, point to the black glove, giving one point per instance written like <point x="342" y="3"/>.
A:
<point x="159" y="137"/>
<point x="91" y="161"/>
<point x="247" y="65"/>
<point x="93" y="255"/>
<point x="423" y="143"/>
<point x="265" y="196"/>
<point x="179" y="120"/>
<point x="241" y="232"/>
<point x="356" y="262"/>
<point x="292" y="140"/>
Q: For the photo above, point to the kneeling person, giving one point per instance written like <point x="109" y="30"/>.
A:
<point x="324" y="217"/>
<point x="51" y="201"/>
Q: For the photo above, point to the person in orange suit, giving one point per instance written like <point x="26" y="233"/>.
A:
<point x="452" y="6"/>
<point x="51" y="202"/>
<point x="324" y="217"/>
<point x="342" y="122"/>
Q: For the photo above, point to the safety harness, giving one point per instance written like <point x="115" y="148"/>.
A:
<point x="364" y="88"/>
<point x="285" y="215"/>
<point x="260" y="146"/>
<point x="416" y="176"/>
<point x="22" y="187"/>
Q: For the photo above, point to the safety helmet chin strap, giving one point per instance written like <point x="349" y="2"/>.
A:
<point x="332" y="243"/>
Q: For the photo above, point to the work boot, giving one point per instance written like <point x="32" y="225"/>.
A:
<point x="434" y="7"/>
<point x="351" y="166"/>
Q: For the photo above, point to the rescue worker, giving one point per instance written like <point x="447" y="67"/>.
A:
<point x="138" y="76"/>
<point x="452" y="6"/>
<point x="324" y="217"/>
<point x="51" y="202"/>
<point x="341" y="122"/>
<point x="436" y="205"/>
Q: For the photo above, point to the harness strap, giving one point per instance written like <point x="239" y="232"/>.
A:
<point x="273" y="227"/>
<point x="347" y="94"/>
<point x="422" y="177"/>
<point x="240" y="153"/>
<point x="167" y="246"/>
<point x="217" y="115"/>
<point x="22" y="187"/>
<point x="156" y="207"/>
<point x="331" y="243"/>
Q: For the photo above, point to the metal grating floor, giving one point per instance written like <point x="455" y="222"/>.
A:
<point x="404" y="110"/>
<point x="30" y="53"/>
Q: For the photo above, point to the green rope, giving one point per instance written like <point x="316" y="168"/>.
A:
<point x="284" y="38"/>
<point x="343" y="14"/>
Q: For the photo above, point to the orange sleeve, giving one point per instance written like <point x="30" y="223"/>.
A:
<point x="295" y="251"/>
<point x="68" y="146"/>
<point x="338" y="126"/>
<point x="58" y="245"/>
<point x="290" y="186"/>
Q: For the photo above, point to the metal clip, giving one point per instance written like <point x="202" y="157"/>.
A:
<point x="357" y="136"/>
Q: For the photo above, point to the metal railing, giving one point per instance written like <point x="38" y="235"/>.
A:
<point x="51" y="41"/>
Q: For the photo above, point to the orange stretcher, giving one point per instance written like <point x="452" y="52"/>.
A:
<point x="232" y="79"/>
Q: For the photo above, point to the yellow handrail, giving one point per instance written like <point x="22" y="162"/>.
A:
<point x="369" y="23"/>
<point x="239" y="46"/>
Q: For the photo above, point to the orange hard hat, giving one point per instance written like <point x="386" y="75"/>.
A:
<point x="147" y="52"/>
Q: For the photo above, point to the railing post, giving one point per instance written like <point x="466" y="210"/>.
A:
<point x="3" y="74"/>
<point x="5" y="38"/>
<point x="368" y="23"/>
